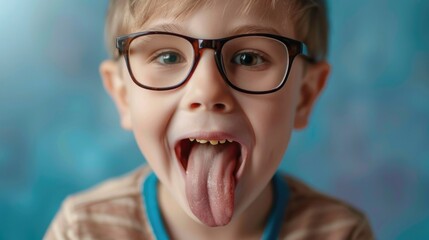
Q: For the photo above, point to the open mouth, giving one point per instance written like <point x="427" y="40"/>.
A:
<point x="211" y="167"/>
<point x="184" y="147"/>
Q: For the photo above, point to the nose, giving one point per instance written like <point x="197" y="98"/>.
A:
<point x="206" y="89"/>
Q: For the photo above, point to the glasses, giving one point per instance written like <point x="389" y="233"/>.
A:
<point x="249" y="63"/>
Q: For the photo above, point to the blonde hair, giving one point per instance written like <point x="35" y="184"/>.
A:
<point x="308" y="16"/>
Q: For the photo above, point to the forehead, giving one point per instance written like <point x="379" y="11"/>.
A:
<point x="274" y="14"/>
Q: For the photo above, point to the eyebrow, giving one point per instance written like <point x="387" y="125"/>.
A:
<point x="254" y="29"/>
<point x="246" y="29"/>
<point x="166" y="27"/>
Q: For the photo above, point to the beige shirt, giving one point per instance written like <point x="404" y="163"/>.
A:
<point x="115" y="210"/>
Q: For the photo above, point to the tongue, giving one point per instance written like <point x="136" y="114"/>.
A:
<point x="210" y="182"/>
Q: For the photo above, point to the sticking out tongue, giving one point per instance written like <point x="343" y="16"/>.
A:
<point x="210" y="182"/>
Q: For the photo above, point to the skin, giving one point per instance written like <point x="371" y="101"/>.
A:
<point x="206" y="105"/>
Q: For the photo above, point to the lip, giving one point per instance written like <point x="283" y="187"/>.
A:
<point x="217" y="135"/>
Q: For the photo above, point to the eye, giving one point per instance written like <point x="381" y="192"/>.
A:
<point x="248" y="59"/>
<point x="168" y="58"/>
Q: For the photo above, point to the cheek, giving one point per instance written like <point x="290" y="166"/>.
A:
<point x="272" y="119"/>
<point x="150" y="110"/>
<point x="150" y="115"/>
<point x="147" y="120"/>
<point x="273" y="115"/>
<point x="145" y="115"/>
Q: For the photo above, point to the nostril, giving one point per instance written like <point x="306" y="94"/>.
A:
<point x="219" y="107"/>
<point x="195" y="105"/>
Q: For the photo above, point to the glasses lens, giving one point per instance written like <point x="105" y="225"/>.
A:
<point x="160" y="60"/>
<point x="255" y="63"/>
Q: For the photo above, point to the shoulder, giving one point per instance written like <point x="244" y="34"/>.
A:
<point x="313" y="215"/>
<point x="111" y="207"/>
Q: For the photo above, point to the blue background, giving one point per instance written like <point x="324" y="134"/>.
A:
<point x="368" y="140"/>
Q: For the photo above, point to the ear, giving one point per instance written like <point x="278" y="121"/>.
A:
<point x="313" y="82"/>
<point x="115" y="87"/>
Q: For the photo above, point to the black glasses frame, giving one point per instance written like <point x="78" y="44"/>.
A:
<point x="294" y="48"/>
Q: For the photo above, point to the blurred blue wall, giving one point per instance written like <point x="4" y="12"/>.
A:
<point x="368" y="141"/>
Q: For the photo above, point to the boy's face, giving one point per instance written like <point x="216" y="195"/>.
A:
<point x="213" y="183"/>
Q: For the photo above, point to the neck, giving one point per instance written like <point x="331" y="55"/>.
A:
<point x="248" y="224"/>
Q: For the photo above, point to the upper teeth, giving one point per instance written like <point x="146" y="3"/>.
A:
<point x="212" y="142"/>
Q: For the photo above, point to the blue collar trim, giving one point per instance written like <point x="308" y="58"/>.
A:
<point x="272" y="229"/>
<point x="275" y="220"/>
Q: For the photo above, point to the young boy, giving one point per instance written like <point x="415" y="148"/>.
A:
<point x="212" y="90"/>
